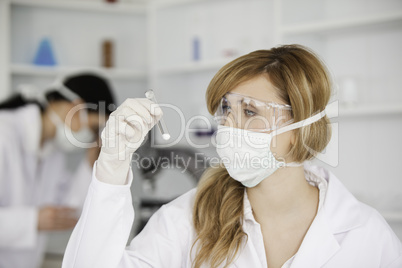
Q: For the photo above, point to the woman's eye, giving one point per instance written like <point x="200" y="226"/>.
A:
<point x="249" y="113"/>
<point x="225" y="107"/>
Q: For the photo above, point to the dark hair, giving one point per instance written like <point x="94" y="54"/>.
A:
<point x="91" y="88"/>
<point x="16" y="101"/>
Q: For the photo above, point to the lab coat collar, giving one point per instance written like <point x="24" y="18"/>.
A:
<point x="30" y="125"/>
<point x="318" y="246"/>
<point x="341" y="209"/>
<point x="30" y="129"/>
<point x="340" y="213"/>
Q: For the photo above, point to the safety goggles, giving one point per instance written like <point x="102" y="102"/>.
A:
<point x="240" y="111"/>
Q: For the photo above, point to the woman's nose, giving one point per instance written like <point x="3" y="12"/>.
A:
<point x="231" y="121"/>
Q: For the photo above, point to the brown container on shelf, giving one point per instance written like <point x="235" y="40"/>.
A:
<point x="107" y="54"/>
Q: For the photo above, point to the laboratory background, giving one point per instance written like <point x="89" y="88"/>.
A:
<point x="176" y="46"/>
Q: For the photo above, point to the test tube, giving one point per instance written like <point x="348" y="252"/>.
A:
<point x="161" y="123"/>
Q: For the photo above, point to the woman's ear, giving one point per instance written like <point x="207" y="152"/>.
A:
<point x="77" y="101"/>
<point x="293" y="137"/>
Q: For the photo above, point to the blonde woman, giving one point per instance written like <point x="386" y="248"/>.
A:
<point x="272" y="211"/>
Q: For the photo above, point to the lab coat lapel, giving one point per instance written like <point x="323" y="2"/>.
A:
<point x="340" y="213"/>
<point x="252" y="260"/>
<point x="318" y="246"/>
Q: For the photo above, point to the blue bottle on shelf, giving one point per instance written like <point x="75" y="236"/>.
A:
<point x="196" y="49"/>
<point x="44" y="55"/>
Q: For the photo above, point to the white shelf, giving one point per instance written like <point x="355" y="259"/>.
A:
<point x="32" y="70"/>
<point x="192" y="67"/>
<point x="331" y="25"/>
<point x="171" y="3"/>
<point x="393" y="216"/>
<point x="86" y="5"/>
<point x="370" y="110"/>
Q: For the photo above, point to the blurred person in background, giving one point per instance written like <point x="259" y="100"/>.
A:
<point x="37" y="191"/>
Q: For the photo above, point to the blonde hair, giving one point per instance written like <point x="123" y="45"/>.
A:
<point x="302" y="81"/>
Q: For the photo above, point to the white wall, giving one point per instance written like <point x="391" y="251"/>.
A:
<point x="369" y="145"/>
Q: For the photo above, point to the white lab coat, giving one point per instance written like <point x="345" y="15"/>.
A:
<point x="28" y="182"/>
<point x="345" y="233"/>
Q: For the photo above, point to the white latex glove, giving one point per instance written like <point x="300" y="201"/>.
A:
<point x="125" y="131"/>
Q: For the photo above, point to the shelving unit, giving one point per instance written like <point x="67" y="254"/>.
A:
<point x="92" y="6"/>
<point x="193" y="67"/>
<point x="159" y="4"/>
<point x="72" y="23"/>
<point x="30" y="70"/>
<point x="152" y="11"/>
<point x="351" y="24"/>
<point x="335" y="36"/>
<point x="370" y="110"/>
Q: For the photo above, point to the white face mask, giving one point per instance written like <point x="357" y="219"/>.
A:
<point x="68" y="140"/>
<point x="247" y="155"/>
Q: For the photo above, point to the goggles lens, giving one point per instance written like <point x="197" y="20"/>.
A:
<point x="244" y="112"/>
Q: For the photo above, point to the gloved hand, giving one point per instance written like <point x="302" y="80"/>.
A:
<point x="125" y="131"/>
